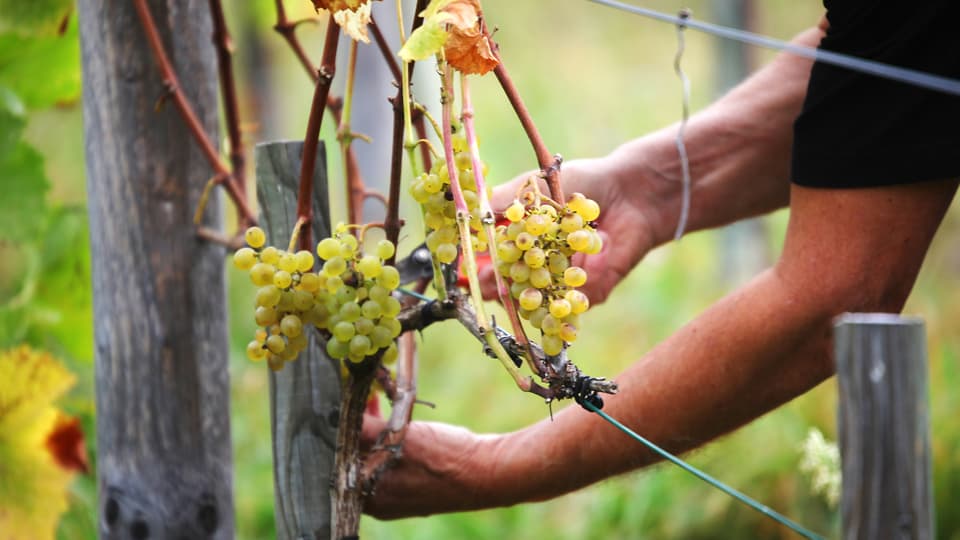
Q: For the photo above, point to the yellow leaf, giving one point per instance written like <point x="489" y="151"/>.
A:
<point x="354" y="22"/>
<point x="33" y="492"/>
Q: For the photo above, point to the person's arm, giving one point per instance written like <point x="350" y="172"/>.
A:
<point x="739" y="150"/>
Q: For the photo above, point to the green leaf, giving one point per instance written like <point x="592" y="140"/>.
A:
<point x="426" y="41"/>
<point x="11" y="120"/>
<point x="41" y="70"/>
<point x="24" y="186"/>
<point x="33" y="17"/>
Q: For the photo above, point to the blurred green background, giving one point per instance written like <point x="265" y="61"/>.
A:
<point x="592" y="78"/>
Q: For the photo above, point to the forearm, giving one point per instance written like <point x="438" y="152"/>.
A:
<point x="738" y="148"/>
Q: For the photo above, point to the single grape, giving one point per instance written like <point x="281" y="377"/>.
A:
<point x="391" y="307"/>
<point x="550" y="325"/>
<point x="534" y="257"/>
<point x="260" y="335"/>
<point x="517" y="287"/>
<point x="390" y="355"/>
<point x="334" y="284"/>
<point x="514" y="230"/>
<point x="432" y="183"/>
<point x="552" y="345"/>
<point x="288" y="262"/>
<point x="360" y="345"/>
<point x="245" y="258"/>
<point x="338" y="349"/>
<point x="334" y="266"/>
<point x="390" y="278"/>
<point x="369" y="266"/>
<point x="276" y="344"/>
<point x="304" y="261"/>
<point x="262" y="274"/>
<point x="519" y="271"/>
<point x="574" y="276"/>
<point x="268" y="296"/>
<point x="568" y="332"/>
<point x="350" y="311"/>
<point x="371" y="309"/>
<point x="291" y="326"/>
<point x="540" y="278"/>
<point x="509" y="252"/>
<point x="364" y="326"/>
<point x="557" y="262"/>
<point x="381" y="337"/>
<point x="536" y="224"/>
<point x="525" y="241"/>
<point x="537" y="316"/>
<point x="447" y="253"/>
<point x="255" y="237"/>
<point x="578" y="301"/>
<point x="515" y="212"/>
<point x="344" y="331"/>
<point x="302" y="300"/>
<point x="328" y="248"/>
<point x="270" y="255"/>
<point x="310" y="282"/>
<point x="255" y="351"/>
<point x="282" y="279"/>
<point x="530" y="298"/>
<point x="265" y="316"/>
<point x="385" y="249"/>
<point x="596" y="244"/>
<point x="298" y="342"/>
<point x="346" y="294"/>
<point x="579" y="240"/>
<point x="392" y="325"/>
<point x="559" y="308"/>
<point x="590" y="210"/>
<point x="348" y="242"/>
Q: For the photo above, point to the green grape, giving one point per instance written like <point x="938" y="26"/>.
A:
<point x="385" y="249"/>
<point x="319" y="315"/>
<point x="255" y="351"/>
<point x="479" y="243"/>
<point x="262" y="274"/>
<point x="500" y="234"/>
<point x="571" y="223"/>
<point x="334" y="284"/>
<point x="348" y="243"/>
<point x="540" y="278"/>
<point x="503" y="268"/>
<point x="276" y="344"/>
<point x="346" y="294"/>
<point x="590" y="210"/>
<point x="433" y="241"/>
<point x="515" y="212"/>
<point x="371" y="309"/>
<point x="270" y="255"/>
<point x="578" y="301"/>
<point x="334" y="266"/>
<point x="310" y="282"/>
<point x="390" y="278"/>
<point x="304" y="261"/>
<point x="530" y="298"/>
<point x="391" y="307"/>
<point x="534" y="257"/>
<point x="568" y="332"/>
<point x="390" y="355"/>
<point x="579" y="240"/>
<point x="260" y="335"/>
<point x="282" y="279"/>
<point x="255" y="237"/>
<point x="447" y="234"/>
<point x="364" y="326"/>
<point x="576" y="202"/>
<point x="518" y="271"/>
<point x="361" y="294"/>
<point x="434" y="220"/>
<point x="574" y="276"/>
<point x="381" y="337"/>
<point x="338" y="349"/>
<point x="286" y="301"/>
<point x="447" y="253"/>
<point x="268" y="296"/>
<point x="549" y="211"/>
<point x="514" y="230"/>
<point x="572" y="320"/>
<point x="536" y="225"/>
<point x="509" y="252"/>
<point x="244" y="259"/>
<point x="471" y="198"/>
<point x="557" y="262"/>
<point x="432" y="183"/>
<point x="265" y="316"/>
<point x="517" y="287"/>
<point x="298" y="342"/>
<point x="596" y="244"/>
<point x="559" y="308"/>
<point x="328" y="248"/>
<point x="369" y="266"/>
<point x="344" y="331"/>
<point x="302" y="300"/>
<point x="360" y="345"/>
<point x="552" y="345"/>
<point x="392" y="325"/>
<point x="537" y="316"/>
<point x="378" y="293"/>
<point x="291" y="326"/>
<point x="525" y="241"/>
<point x="550" y="325"/>
<point x="350" y="311"/>
<point x="419" y="193"/>
<point x="288" y="262"/>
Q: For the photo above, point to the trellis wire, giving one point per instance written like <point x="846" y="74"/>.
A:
<point x="871" y="67"/>
<point x="681" y="146"/>
<point x="762" y="508"/>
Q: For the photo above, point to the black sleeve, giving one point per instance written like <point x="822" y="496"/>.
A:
<point x="858" y="130"/>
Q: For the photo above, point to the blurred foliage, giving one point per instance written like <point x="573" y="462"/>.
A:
<point x="592" y="78"/>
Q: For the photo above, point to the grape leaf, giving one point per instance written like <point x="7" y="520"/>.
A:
<point x="455" y="26"/>
<point x="33" y="493"/>
<point x="41" y="70"/>
<point x="354" y="21"/>
<point x="338" y="5"/>
<point x="12" y="120"/>
<point x="36" y="17"/>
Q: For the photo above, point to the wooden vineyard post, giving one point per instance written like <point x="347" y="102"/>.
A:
<point x="884" y="427"/>
<point x="162" y="384"/>
<point x="305" y="394"/>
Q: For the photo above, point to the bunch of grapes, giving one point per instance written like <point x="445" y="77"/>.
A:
<point x="432" y="190"/>
<point x="350" y="297"/>
<point x="535" y="252"/>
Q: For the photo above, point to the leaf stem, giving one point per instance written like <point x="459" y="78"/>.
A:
<point x="356" y="191"/>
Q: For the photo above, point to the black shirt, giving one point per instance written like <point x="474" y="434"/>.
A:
<point x="858" y="130"/>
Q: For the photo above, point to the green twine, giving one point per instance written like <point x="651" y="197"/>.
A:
<point x="763" y="509"/>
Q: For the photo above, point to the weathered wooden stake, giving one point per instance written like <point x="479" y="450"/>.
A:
<point x="305" y="394"/>
<point x="163" y="393"/>
<point x="884" y="427"/>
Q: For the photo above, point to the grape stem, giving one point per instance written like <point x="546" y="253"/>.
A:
<point x="549" y="164"/>
<point x="171" y="84"/>
<point x="311" y="140"/>
<point x="463" y="222"/>
<point x="488" y="221"/>
<point x="355" y="188"/>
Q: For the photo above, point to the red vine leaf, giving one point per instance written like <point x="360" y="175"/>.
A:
<point x="353" y="16"/>
<point x="65" y="444"/>
<point x="455" y="26"/>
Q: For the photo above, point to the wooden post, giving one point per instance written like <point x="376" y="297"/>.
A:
<point x="305" y="394"/>
<point x="884" y="427"/>
<point x="162" y="385"/>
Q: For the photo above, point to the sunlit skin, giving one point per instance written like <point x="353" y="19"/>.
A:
<point x="760" y="346"/>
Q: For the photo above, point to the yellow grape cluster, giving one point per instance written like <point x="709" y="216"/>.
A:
<point x="350" y="297"/>
<point x="432" y="190"/>
<point x="534" y="253"/>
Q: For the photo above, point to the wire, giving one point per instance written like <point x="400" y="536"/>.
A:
<point x="681" y="146"/>
<point x="870" y="67"/>
<point x="762" y="508"/>
<point x="414" y="294"/>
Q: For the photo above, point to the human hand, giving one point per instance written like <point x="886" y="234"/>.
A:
<point x="443" y="468"/>
<point x="624" y="223"/>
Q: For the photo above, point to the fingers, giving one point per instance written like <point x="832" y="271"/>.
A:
<point x="372" y="426"/>
<point x="504" y="194"/>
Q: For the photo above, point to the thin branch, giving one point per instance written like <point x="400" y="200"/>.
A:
<point x="374" y="194"/>
<point x="549" y="164"/>
<point x="172" y="86"/>
<point x="228" y="91"/>
<point x="355" y="187"/>
<point x="312" y="138"/>
<point x="420" y="126"/>
<point x="217" y="237"/>
<point x="385" y="50"/>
